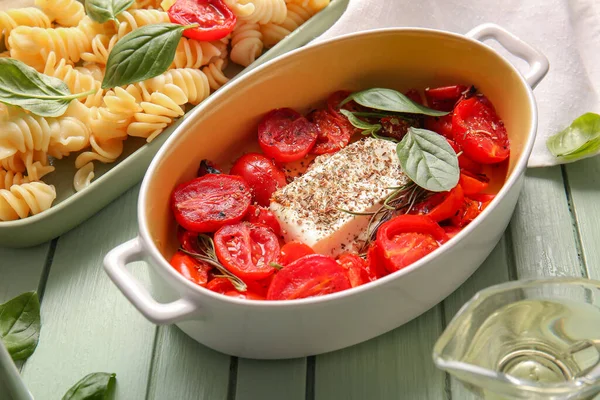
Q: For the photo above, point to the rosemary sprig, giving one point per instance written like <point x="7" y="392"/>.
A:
<point x="206" y="247"/>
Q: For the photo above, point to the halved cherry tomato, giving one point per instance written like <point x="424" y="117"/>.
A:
<point x="472" y="184"/>
<point x="464" y="162"/>
<point x="191" y="268"/>
<point x="291" y="251"/>
<point x="263" y="216"/>
<point x="356" y="268"/>
<point x="247" y="250"/>
<point x="333" y="135"/>
<point x="334" y="100"/>
<point x="471" y="208"/>
<point x="187" y="239"/>
<point x="285" y="135"/>
<point x="451" y="231"/>
<point x="441" y="206"/>
<point x="414" y="95"/>
<point x="261" y="174"/>
<point x="207" y="167"/>
<point x="309" y="276"/>
<point x="214" y="18"/>
<point x="479" y="131"/>
<point x="207" y="203"/>
<point x="375" y="265"/>
<point x="394" y="127"/>
<point x="408" y="238"/>
<point x="483" y="198"/>
<point x="441" y="125"/>
<point x="444" y="98"/>
<point x="220" y="285"/>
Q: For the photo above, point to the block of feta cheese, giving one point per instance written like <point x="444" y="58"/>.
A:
<point x="357" y="178"/>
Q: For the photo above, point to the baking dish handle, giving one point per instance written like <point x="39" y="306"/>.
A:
<point x="538" y="63"/>
<point x="115" y="264"/>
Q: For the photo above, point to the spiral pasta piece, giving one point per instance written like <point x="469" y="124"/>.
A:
<point x="83" y="177"/>
<point x="214" y="74"/>
<point x="182" y="85"/>
<point x="133" y="19"/>
<point x="28" y="198"/>
<point x="92" y="28"/>
<point x="106" y="125"/>
<point x="9" y="178"/>
<point x="152" y="4"/>
<point x="314" y="6"/>
<point x="33" y="163"/>
<point x="75" y="80"/>
<point x="265" y="11"/>
<point x="101" y="46"/>
<point x="64" y="12"/>
<point x="157" y="114"/>
<point x="28" y="16"/>
<point x="105" y="152"/>
<point x="33" y="45"/>
<point x="274" y="33"/>
<point x="192" y="53"/>
<point x="94" y="70"/>
<point x="246" y="44"/>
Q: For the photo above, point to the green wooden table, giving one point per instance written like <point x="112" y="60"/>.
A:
<point x="88" y="326"/>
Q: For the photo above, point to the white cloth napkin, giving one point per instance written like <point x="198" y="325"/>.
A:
<point x="566" y="31"/>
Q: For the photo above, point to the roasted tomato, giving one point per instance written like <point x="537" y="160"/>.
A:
<point x="247" y="250"/>
<point x="191" y="268"/>
<point x="471" y="208"/>
<point x="261" y="174"/>
<point x="441" y="125"/>
<point x="207" y="203"/>
<point x="464" y="162"/>
<point x="375" y="263"/>
<point x="333" y="134"/>
<point x="441" y="206"/>
<point x="291" y="251"/>
<point x="444" y="98"/>
<point x="285" y="135"/>
<point x="408" y="238"/>
<point x="309" y="276"/>
<point x="334" y="100"/>
<point x="215" y="20"/>
<point x="414" y="95"/>
<point x="479" y="131"/>
<point x="394" y="127"/>
<point x="472" y="183"/>
<point x="356" y="267"/>
<point x="263" y="216"/>
<point x="207" y="167"/>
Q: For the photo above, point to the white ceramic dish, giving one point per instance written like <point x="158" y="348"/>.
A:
<point x="397" y="58"/>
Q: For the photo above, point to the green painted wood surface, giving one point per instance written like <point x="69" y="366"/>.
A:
<point x="21" y="270"/>
<point x="271" y="380"/>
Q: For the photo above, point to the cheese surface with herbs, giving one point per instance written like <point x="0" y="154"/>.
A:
<point x="317" y="207"/>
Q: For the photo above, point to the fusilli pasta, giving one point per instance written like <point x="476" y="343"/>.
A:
<point x="274" y="33"/>
<point x="28" y="198"/>
<point x="83" y="177"/>
<point x="64" y="12"/>
<point x="194" y="54"/>
<point x="9" y="178"/>
<point x="29" y="16"/>
<point x="265" y="11"/>
<point x="182" y="85"/>
<point x="156" y="115"/>
<point x="214" y="74"/>
<point x="246" y="44"/>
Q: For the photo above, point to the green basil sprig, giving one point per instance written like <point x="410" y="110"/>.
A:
<point x="390" y="100"/>
<point x="143" y="54"/>
<point x="366" y="127"/>
<point x="20" y="325"/>
<point x="428" y="160"/>
<point x="23" y="86"/>
<point x="95" y="386"/>
<point x="105" y="10"/>
<point x="581" y="139"/>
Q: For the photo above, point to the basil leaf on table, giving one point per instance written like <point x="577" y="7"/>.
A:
<point x="581" y="139"/>
<point x="95" y="386"/>
<point x="20" y="325"/>
<point x="105" y="10"/>
<point x="23" y="86"/>
<point x="390" y="100"/>
<point x="366" y="127"/>
<point x="142" y="54"/>
<point x="428" y="160"/>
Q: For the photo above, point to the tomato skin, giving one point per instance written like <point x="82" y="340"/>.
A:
<point x="375" y="263"/>
<point x="479" y="131"/>
<point x="333" y="134"/>
<point x="192" y="269"/>
<point x="441" y="125"/>
<point x="408" y="238"/>
<point x="471" y="208"/>
<point x="291" y="251"/>
<point x="285" y="135"/>
<point x="414" y="95"/>
<point x="214" y="18"/>
<point x="451" y="231"/>
<point x="444" y="98"/>
<point x="356" y="268"/>
<point x="309" y="276"/>
<point x="263" y="216"/>
<point x="220" y="285"/>
<point x="472" y="184"/>
<point x="464" y="162"/>
<point x="261" y="174"/>
<point x="207" y="203"/>
<point x="246" y="250"/>
<point x="334" y="100"/>
<point x="442" y="205"/>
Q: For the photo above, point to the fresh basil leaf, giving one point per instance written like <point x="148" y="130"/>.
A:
<point x="390" y="100"/>
<point x="105" y="10"/>
<point x="95" y="386"/>
<point x="20" y="325"/>
<point x="581" y="139"/>
<point x="142" y="54"/>
<point x="23" y="86"/>
<point x="359" y="123"/>
<point x="428" y="160"/>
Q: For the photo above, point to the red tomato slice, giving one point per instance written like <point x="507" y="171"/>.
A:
<point x="247" y="250"/>
<point x="444" y="98"/>
<point x="294" y="250"/>
<point x="214" y="18"/>
<point x="191" y="268"/>
<point x="441" y="125"/>
<point x="408" y="238"/>
<point x="261" y="174"/>
<point x="441" y="206"/>
<point x="473" y="184"/>
<point x="414" y="95"/>
<point x="375" y="263"/>
<point x="220" y="285"/>
<point x="356" y="268"/>
<point x="263" y="216"/>
<point x="309" y="276"/>
<point x="333" y="135"/>
<point x="207" y="203"/>
<point x="471" y="208"/>
<point x="285" y="135"/>
<point x="334" y="100"/>
<point x="451" y="231"/>
<point x="479" y="131"/>
<point x="464" y="162"/>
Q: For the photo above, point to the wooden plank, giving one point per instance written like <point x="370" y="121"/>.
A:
<point x="392" y="366"/>
<point x="271" y="380"/>
<point x="184" y="369"/>
<point x="543" y="241"/>
<point x="21" y="270"/>
<point x="584" y="187"/>
<point x="87" y="325"/>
